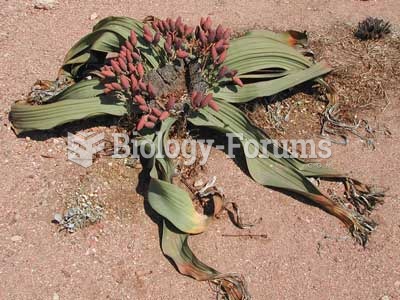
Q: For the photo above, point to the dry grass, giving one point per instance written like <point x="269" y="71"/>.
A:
<point x="364" y="72"/>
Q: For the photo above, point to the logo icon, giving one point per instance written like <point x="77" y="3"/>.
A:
<point x="83" y="145"/>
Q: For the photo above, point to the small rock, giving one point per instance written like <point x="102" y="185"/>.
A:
<point x="16" y="238"/>
<point x="385" y="297"/>
<point x="58" y="218"/>
<point x="56" y="296"/>
<point x="93" y="16"/>
<point x="44" y="4"/>
<point x="397" y="284"/>
<point x="198" y="183"/>
<point x="27" y="138"/>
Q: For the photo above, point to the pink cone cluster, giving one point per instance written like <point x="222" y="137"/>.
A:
<point x="176" y="35"/>
<point x="125" y="73"/>
<point x="127" y="70"/>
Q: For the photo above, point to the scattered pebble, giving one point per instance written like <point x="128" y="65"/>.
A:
<point x="44" y="4"/>
<point x="385" y="298"/>
<point x="397" y="284"/>
<point x="199" y="183"/>
<point x="16" y="238"/>
<point x="56" y="296"/>
<point x="93" y="16"/>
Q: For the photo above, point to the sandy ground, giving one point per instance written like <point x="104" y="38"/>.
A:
<point x="307" y="255"/>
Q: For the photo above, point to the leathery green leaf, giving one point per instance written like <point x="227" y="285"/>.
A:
<point x="167" y="199"/>
<point x="108" y="36"/>
<point x="269" y="170"/>
<point x="26" y="117"/>
<point x="175" y="245"/>
<point x="251" y="91"/>
<point x="175" y="205"/>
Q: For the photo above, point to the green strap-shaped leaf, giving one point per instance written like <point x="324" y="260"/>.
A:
<point x="26" y="117"/>
<point x="108" y="36"/>
<point x="270" y="59"/>
<point x="270" y="171"/>
<point x="167" y="199"/>
<point x="175" y="205"/>
<point x="80" y="90"/>
<point x="235" y="94"/>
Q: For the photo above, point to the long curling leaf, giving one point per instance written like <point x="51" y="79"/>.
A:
<point x="251" y="91"/>
<point x="177" y="209"/>
<point x="164" y="197"/>
<point x="108" y="36"/>
<point x="27" y="117"/>
<point x="277" y="172"/>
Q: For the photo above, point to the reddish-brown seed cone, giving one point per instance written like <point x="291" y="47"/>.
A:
<point x="178" y="43"/>
<point x="237" y="81"/>
<point x="144" y="108"/>
<point x="116" y="86"/>
<point x="214" y="54"/>
<point x="129" y="57"/>
<point x="167" y="48"/>
<point x="134" y="83"/>
<point x="171" y="24"/>
<point x="202" y="37"/>
<point x="122" y="63"/>
<point x="155" y="25"/>
<point x="140" y="100"/>
<point x="128" y="45"/>
<point x="133" y="38"/>
<point x="148" y="38"/>
<point x="149" y="125"/>
<point x="213" y="105"/>
<point x="164" y="115"/>
<point x="151" y="90"/>
<point x="220" y="46"/>
<point x="165" y="25"/>
<point x="207" y="24"/>
<point x="125" y="82"/>
<point x="140" y="70"/>
<point x="156" y="111"/>
<point x="178" y="21"/>
<point x="109" y="86"/>
<point x="188" y="30"/>
<point x="222" y="57"/>
<point x="211" y="36"/>
<point x="181" y="54"/>
<point x="116" y="67"/>
<point x="170" y="103"/>
<point x="219" y="32"/>
<point x="161" y="26"/>
<point x="136" y="56"/>
<point x="153" y="118"/>
<point x="193" y="97"/>
<point x="231" y="73"/>
<point x="146" y="29"/>
<point x="222" y="72"/>
<point x="206" y="100"/>
<point x="202" y="21"/>
<point x="131" y="68"/>
<point x="197" y="100"/>
<point x="107" y="73"/>
<point x="142" y="85"/>
<point x="227" y="34"/>
<point x="141" y="123"/>
<point x="181" y="29"/>
<point x="157" y="38"/>
<point x="107" y="90"/>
